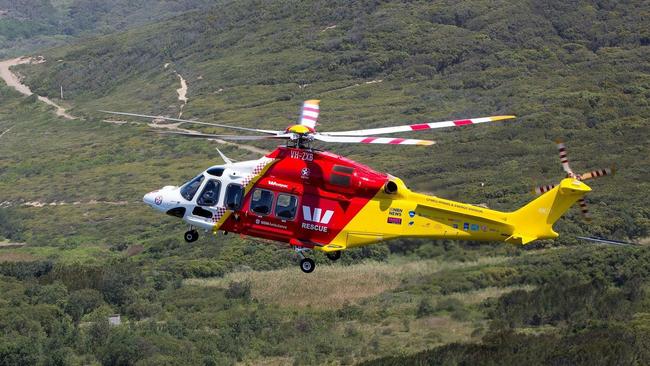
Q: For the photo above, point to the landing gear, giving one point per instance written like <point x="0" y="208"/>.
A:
<point x="307" y="265"/>
<point x="191" y="235"/>
<point x="334" y="256"/>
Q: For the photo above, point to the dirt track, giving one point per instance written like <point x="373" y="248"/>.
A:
<point x="13" y="81"/>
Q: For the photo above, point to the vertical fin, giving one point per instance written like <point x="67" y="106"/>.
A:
<point x="535" y="220"/>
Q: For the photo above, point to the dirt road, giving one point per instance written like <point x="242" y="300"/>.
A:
<point x="13" y="81"/>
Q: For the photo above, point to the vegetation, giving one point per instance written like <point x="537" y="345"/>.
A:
<point x="71" y="189"/>
<point x="30" y="24"/>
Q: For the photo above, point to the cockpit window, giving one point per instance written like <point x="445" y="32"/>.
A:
<point x="285" y="207"/>
<point x="234" y="196"/>
<point x="210" y="194"/>
<point x="189" y="189"/>
<point x="262" y="201"/>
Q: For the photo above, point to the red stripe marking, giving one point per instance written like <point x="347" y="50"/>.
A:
<point x="462" y="122"/>
<point x="310" y="109"/>
<point x="422" y="126"/>
<point x="368" y="140"/>
<point x="396" y="141"/>
<point x="309" y="118"/>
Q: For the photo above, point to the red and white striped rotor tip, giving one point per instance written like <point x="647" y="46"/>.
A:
<point x="419" y="126"/>
<point x="310" y="112"/>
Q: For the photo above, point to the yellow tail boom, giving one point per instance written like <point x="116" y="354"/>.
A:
<point x="410" y="214"/>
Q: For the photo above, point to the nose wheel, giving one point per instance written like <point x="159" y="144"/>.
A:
<point x="191" y="236"/>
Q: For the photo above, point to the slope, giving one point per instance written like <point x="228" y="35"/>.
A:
<point x="375" y="64"/>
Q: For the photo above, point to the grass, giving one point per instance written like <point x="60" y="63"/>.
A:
<point x="335" y="286"/>
<point x="11" y="256"/>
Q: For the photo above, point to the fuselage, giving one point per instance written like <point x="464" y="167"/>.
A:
<point x="319" y="200"/>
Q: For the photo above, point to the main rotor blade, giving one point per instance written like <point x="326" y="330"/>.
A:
<point x="371" y="140"/>
<point x="224" y="137"/>
<point x="195" y="122"/>
<point x="418" y="127"/>
<point x="310" y="111"/>
<point x="607" y="241"/>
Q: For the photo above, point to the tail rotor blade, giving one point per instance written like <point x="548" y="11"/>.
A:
<point x="543" y="189"/>
<point x="598" y="173"/>
<point x="584" y="209"/>
<point x="563" y="158"/>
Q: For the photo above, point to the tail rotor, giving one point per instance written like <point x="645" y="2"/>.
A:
<point x="564" y="160"/>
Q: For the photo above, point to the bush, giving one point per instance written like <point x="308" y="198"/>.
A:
<point x="239" y="290"/>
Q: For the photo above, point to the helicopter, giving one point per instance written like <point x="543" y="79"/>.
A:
<point x="314" y="200"/>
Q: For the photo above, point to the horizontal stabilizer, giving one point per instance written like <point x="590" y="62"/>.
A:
<point x="517" y="238"/>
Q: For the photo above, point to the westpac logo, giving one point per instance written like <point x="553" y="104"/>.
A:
<point x="315" y="217"/>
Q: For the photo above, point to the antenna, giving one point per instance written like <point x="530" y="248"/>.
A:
<point x="224" y="157"/>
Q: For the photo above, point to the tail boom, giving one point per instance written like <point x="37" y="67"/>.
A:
<point x="415" y="215"/>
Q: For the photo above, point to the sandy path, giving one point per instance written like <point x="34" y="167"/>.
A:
<point x="13" y="81"/>
<point x="182" y="94"/>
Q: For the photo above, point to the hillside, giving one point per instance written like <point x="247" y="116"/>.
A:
<point x="434" y="62"/>
<point x="71" y="189"/>
<point x="30" y="24"/>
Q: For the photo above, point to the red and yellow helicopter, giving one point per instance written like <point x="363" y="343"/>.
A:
<point x="317" y="200"/>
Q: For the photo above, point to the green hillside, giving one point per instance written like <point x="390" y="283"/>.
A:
<point x="563" y="79"/>
<point x="27" y="25"/>
<point x="71" y="189"/>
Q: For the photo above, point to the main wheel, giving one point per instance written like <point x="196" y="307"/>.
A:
<point x="334" y="256"/>
<point x="191" y="236"/>
<point x="307" y="265"/>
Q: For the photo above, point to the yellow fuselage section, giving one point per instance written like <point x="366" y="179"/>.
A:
<point x="415" y="215"/>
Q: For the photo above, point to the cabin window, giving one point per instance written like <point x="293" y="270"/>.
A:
<point x="262" y="201"/>
<point x="234" y="196"/>
<point x="340" y="180"/>
<point x="341" y="175"/>
<point x="285" y="207"/>
<point x="217" y="172"/>
<point x="188" y="190"/>
<point x="210" y="194"/>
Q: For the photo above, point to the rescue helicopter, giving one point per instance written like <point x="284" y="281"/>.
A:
<point x="316" y="200"/>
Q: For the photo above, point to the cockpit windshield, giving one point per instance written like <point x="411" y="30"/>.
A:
<point x="188" y="190"/>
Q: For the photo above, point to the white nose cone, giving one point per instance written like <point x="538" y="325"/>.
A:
<point x="153" y="199"/>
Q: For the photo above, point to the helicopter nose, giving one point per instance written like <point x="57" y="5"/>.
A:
<point x="152" y="199"/>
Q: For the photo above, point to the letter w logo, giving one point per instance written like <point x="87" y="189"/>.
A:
<point x="316" y="216"/>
